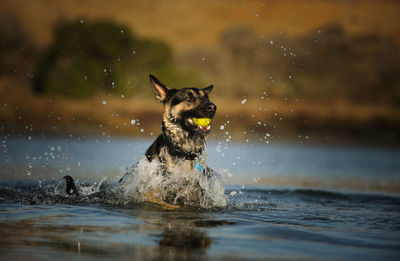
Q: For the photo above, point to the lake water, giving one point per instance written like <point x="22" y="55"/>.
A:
<point x="284" y="201"/>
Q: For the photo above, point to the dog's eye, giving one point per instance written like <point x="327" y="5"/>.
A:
<point x="189" y="98"/>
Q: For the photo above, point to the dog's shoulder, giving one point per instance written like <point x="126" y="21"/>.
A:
<point x="154" y="150"/>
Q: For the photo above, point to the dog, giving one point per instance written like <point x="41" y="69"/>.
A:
<point x="182" y="140"/>
<point x="184" y="129"/>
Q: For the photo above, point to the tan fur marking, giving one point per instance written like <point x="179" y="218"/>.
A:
<point x="183" y="106"/>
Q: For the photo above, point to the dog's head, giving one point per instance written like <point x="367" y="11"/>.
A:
<point x="188" y="108"/>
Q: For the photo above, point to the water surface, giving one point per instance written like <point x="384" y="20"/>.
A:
<point x="284" y="202"/>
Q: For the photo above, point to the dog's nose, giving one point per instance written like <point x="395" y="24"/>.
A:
<point x="211" y="107"/>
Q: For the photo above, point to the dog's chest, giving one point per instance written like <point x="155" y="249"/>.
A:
<point x="181" y="165"/>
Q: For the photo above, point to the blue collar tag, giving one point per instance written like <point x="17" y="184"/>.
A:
<point x="198" y="166"/>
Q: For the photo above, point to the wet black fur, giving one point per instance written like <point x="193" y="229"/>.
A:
<point x="70" y="188"/>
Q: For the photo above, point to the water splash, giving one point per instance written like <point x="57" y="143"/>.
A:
<point x="84" y="189"/>
<point x="146" y="181"/>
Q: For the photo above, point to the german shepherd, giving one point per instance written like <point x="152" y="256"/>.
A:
<point x="181" y="144"/>
<point x="182" y="140"/>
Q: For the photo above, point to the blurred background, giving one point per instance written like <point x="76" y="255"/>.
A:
<point x="302" y="71"/>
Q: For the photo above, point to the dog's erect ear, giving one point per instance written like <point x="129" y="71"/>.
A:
<point x="208" y="89"/>
<point x="159" y="89"/>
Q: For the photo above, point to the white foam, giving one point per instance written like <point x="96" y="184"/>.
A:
<point x="92" y="188"/>
<point x="146" y="181"/>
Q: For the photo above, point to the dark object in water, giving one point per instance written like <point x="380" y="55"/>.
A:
<point x="71" y="189"/>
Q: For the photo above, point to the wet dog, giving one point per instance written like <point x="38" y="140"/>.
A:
<point x="185" y="125"/>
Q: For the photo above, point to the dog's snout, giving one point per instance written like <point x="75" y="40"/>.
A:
<point x="211" y="107"/>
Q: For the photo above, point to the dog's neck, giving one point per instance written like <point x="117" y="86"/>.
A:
<point x="181" y="140"/>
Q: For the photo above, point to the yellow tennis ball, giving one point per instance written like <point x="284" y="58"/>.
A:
<point x="203" y="122"/>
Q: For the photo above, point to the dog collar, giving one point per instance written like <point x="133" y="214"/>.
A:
<point x="177" y="152"/>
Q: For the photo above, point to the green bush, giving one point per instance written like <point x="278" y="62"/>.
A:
<point x="89" y="57"/>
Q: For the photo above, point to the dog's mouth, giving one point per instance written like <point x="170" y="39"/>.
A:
<point x="201" y="125"/>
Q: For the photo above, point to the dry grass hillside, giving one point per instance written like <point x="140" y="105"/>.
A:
<point x="22" y="112"/>
<point x="194" y="23"/>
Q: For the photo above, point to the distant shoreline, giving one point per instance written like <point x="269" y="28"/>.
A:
<point x="23" y="112"/>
